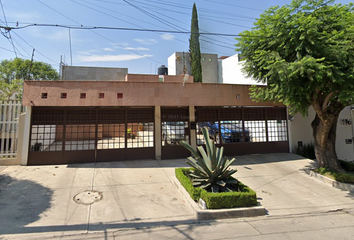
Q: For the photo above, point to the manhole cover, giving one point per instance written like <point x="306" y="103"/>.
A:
<point x="88" y="197"/>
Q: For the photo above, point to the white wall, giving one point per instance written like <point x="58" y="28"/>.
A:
<point x="230" y="72"/>
<point x="301" y="130"/>
<point x="171" y="64"/>
<point x="178" y="60"/>
<point x="345" y="132"/>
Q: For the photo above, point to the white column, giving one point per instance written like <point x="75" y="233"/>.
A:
<point x="24" y="127"/>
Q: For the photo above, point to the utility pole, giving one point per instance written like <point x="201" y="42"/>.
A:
<point x="30" y="66"/>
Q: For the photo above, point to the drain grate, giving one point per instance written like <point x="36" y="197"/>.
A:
<point x="88" y="197"/>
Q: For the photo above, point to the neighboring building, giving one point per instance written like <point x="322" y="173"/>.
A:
<point x="74" y="73"/>
<point x="179" y="62"/>
<point x="230" y="71"/>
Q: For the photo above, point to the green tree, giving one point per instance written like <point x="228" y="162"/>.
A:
<point x="304" y="52"/>
<point x="194" y="47"/>
<point x="13" y="72"/>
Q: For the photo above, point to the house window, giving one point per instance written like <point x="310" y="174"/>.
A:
<point x="63" y="95"/>
<point x="44" y="95"/>
<point x="101" y="95"/>
<point x="82" y="95"/>
<point x="210" y="59"/>
<point x="238" y="96"/>
<point x="203" y="59"/>
<point x="119" y="95"/>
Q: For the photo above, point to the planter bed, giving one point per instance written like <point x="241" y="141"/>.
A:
<point x="246" y="198"/>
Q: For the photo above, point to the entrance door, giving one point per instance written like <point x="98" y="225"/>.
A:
<point x="174" y="128"/>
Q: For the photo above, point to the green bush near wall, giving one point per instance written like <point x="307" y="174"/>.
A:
<point x="245" y="198"/>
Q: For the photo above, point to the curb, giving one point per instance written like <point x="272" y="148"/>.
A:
<point x="213" y="214"/>
<point x="331" y="182"/>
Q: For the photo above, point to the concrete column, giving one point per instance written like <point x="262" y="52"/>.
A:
<point x="158" y="134"/>
<point x="24" y="127"/>
<point x="193" y="136"/>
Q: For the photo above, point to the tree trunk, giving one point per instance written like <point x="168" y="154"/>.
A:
<point x="324" y="133"/>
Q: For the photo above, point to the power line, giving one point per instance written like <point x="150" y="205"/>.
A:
<point x="36" y="49"/>
<point x="239" y="6"/>
<point x="209" y="11"/>
<point x="9" y="50"/>
<point x="91" y="29"/>
<point x="10" y="39"/>
<point x="82" y="27"/>
<point x="177" y="27"/>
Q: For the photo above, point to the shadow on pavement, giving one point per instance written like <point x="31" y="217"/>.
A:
<point x="175" y="163"/>
<point x="105" y="226"/>
<point x="21" y="203"/>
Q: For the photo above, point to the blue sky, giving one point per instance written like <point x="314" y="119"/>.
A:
<point x="140" y="52"/>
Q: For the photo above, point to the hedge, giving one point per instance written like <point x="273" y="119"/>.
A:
<point x="186" y="183"/>
<point x="246" y="198"/>
<point x="346" y="177"/>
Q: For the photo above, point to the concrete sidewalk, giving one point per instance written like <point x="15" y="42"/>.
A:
<point x="139" y="201"/>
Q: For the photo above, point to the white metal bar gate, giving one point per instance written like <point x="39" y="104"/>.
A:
<point x="9" y="115"/>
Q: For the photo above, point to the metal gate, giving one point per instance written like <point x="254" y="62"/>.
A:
<point x="175" y="127"/>
<point x="74" y="135"/>
<point x="245" y="130"/>
<point x="9" y="115"/>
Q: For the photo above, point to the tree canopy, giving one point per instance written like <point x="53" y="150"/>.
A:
<point x="13" y="72"/>
<point x="194" y="47"/>
<point x="304" y="52"/>
<point x="20" y="69"/>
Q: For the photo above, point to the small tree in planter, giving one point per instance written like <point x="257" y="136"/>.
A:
<point x="210" y="169"/>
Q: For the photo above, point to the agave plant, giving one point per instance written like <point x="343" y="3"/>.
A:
<point x="210" y="169"/>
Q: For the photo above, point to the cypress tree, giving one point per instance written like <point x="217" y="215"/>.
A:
<point x="194" y="47"/>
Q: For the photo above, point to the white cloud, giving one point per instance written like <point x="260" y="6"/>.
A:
<point x="146" y="41"/>
<point x="119" y="45"/>
<point x="108" y="49"/>
<point x="137" y="49"/>
<point x="111" y="58"/>
<point x="89" y="52"/>
<point x="168" y="37"/>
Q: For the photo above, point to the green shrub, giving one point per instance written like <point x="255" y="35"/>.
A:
<point x="186" y="183"/>
<point x="245" y="198"/>
<point x="347" y="166"/>
<point x="307" y="150"/>
<point x="338" y="176"/>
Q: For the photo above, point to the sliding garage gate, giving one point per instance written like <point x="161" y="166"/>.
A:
<point x="245" y="130"/>
<point x="85" y="134"/>
<point x="74" y="135"/>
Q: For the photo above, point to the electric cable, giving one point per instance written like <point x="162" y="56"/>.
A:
<point x="10" y="38"/>
<point x="129" y="29"/>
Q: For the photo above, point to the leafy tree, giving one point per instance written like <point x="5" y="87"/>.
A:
<point x="304" y="51"/>
<point x="194" y="47"/>
<point x="13" y="72"/>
